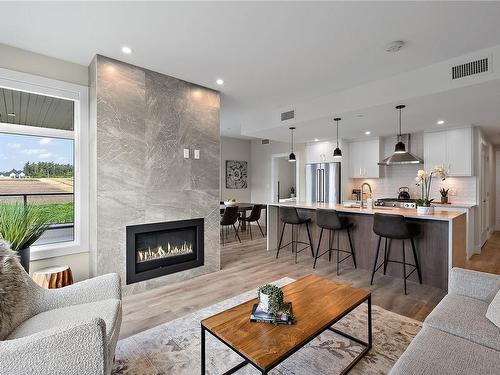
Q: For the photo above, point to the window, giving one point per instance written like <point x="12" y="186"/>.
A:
<point x="39" y="171"/>
<point x="44" y="157"/>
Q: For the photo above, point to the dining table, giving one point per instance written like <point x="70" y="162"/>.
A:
<point x="242" y="209"/>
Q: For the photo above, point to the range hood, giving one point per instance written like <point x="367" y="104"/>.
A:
<point x="400" y="157"/>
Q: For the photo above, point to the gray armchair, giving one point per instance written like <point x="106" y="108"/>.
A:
<point x="72" y="330"/>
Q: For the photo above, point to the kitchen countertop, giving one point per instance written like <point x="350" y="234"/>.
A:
<point x="454" y="205"/>
<point x="406" y="212"/>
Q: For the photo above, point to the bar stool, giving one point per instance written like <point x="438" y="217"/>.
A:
<point x="395" y="227"/>
<point x="289" y="215"/>
<point x="331" y="221"/>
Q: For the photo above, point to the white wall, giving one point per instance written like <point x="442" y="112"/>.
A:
<point x="79" y="264"/>
<point x="41" y="65"/>
<point x="235" y="149"/>
<point x="260" y="166"/>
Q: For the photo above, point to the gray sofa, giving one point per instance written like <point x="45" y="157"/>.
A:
<point x="456" y="337"/>
<point x="72" y="330"/>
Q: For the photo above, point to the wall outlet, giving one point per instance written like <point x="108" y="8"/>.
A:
<point x="186" y="153"/>
<point x="196" y="154"/>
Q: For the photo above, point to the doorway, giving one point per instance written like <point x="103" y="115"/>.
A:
<point x="284" y="178"/>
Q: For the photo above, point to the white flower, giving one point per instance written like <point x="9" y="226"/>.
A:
<point x="421" y="174"/>
<point x="439" y="171"/>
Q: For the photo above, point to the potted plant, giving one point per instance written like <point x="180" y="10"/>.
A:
<point x="444" y="195"/>
<point x="271" y="301"/>
<point x="21" y="225"/>
<point x="424" y="180"/>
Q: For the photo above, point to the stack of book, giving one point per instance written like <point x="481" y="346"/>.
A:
<point x="259" y="315"/>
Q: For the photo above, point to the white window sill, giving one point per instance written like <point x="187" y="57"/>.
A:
<point x="55" y="250"/>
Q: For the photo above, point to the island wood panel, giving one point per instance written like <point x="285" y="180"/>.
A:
<point x="316" y="301"/>
<point x="432" y="246"/>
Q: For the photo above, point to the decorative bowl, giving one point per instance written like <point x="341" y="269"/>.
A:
<point x="228" y="203"/>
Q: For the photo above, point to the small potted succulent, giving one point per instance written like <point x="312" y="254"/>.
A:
<point x="444" y="195"/>
<point x="21" y="225"/>
<point x="271" y="301"/>
<point x="424" y="180"/>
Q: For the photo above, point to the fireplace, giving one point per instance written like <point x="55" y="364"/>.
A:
<point x="159" y="249"/>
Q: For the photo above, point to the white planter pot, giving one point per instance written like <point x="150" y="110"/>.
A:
<point x="425" y="210"/>
<point x="264" y="302"/>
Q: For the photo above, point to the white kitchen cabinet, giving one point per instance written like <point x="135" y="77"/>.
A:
<point x="450" y="148"/>
<point x="363" y="159"/>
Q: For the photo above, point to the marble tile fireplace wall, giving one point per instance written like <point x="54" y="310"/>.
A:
<point x="140" y="123"/>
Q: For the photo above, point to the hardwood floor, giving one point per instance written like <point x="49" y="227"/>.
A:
<point x="247" y="266"/>
<point x="489" y="259"/>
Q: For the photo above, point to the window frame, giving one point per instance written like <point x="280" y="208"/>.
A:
<point x="80" y="96"/>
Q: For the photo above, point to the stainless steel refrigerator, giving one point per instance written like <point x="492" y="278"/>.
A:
<point x="323" y="182"/>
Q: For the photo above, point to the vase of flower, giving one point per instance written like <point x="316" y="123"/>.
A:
<point x="424" y="180"/>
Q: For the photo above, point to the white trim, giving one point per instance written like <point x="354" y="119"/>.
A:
<point x="36" y="131"/>
<point x="80" y="95"/>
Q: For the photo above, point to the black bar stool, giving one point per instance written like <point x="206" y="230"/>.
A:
<point x="395" y="227"/>
<point x="331" y="221"/>
<point x="289" y="215"/>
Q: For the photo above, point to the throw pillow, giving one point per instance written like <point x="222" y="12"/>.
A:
<point x="13" y="291"/>
<point x="493" y="312"/>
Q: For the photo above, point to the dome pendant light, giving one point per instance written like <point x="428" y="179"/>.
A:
<point x="291" y="157"/>
<point x="400" y="146"/>
<point x="337" y="153"/>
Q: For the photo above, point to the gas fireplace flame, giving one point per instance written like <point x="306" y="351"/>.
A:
<point x="159" y="252"/>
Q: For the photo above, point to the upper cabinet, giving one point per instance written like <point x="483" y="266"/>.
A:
<point x="363" y="159"/>
<point x="451" y="149"/>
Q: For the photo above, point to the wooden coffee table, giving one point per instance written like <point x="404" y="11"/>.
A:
<point x="318" y="303"/>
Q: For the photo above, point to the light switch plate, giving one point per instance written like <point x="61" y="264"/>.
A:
<point x="196" y="154"/>
<point x="186" y="153"/>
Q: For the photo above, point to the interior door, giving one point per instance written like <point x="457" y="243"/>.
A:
<point x="484" y="192"/>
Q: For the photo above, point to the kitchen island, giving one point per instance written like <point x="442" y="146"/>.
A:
<point x="440" y="245"/>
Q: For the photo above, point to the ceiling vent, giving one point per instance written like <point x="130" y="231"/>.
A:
<point x="470" y="68"/>
<point x="265" y="141"/>
<point x="288" y="115"/>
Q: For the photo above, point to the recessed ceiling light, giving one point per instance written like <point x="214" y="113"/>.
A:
<point x="11" y="114"/>
<point x="368" y="132"/>
<point x="440" y="122"/>
<point x="360" y="115"/>
<point x="316" y="139"/>
<point x="219" y="81"/>
<point x="126" y="50"/>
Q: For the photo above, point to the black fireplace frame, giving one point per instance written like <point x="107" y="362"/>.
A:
<point x="163" y="268"/>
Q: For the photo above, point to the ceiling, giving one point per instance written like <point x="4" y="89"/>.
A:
<point x="23" y="108"/>
<point x="270" y="54"/>
<point x="457" y="108"/>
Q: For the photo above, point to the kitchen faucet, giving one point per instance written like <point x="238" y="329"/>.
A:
<point x="362" y="188"/>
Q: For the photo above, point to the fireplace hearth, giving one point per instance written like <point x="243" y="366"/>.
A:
<point x="160" y="249"/>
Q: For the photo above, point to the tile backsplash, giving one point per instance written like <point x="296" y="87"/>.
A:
<point x="462" y="189"/>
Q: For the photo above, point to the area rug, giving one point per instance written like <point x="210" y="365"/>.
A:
<point x="174" y="347"/>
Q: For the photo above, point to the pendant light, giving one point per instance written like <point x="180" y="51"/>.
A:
<point x="401" y="156"/>
<point x="400" y="146"/>
<point x="337" y="153"/>
<point x="291" y="157"/>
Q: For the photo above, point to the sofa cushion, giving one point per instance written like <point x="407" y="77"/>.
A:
<point x="13" y="291"/>
<point x="465" y="317"/>
<point x="493" y="312"/>
<point x="107" y="310"/>
<point x="436" y="352"/>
